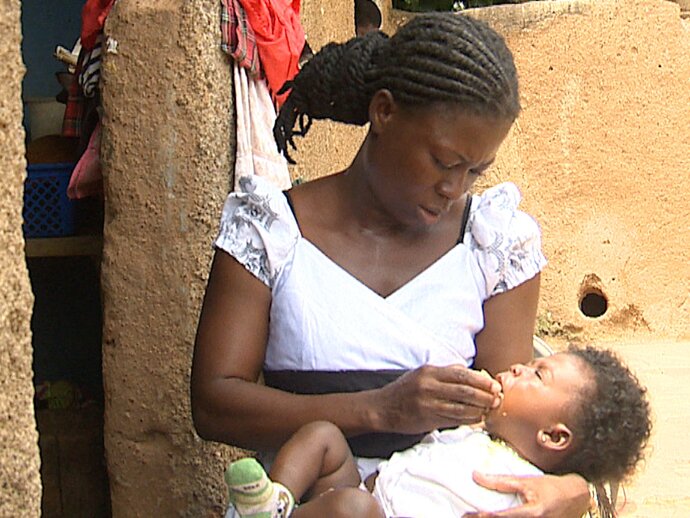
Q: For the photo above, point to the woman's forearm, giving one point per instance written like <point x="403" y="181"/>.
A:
<point x="249" y="415"/>
<point x="244" y="413"/>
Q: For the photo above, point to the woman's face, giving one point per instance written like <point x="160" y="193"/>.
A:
<point x="421" y="161"/>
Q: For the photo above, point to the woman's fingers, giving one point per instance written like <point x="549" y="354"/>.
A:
<point x="461" y="385"/>
<point x="543" y="496"/>
<point x="432" y="397"/>
<point x="508" y="484"/>
<point x="462" y="375"/>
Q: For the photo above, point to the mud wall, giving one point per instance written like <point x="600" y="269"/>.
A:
<point x="601" y="152"/>
<point x="19" y="457"/>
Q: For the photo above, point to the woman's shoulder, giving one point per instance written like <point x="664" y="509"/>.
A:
<point x="495" y="214"/>
<point x="258" y="228"/>
<point x="505" y="240"/>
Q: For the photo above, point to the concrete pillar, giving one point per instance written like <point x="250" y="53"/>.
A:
<point x="167" y="147"/>
<point x="20" y="483"/>
<point x="168" y="150"/>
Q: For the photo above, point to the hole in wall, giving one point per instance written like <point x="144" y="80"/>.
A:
<point x="593" y="303"/>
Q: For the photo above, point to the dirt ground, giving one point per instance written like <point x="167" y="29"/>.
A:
<point x="661" y="488"/>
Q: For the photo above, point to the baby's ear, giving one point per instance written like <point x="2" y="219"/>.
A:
<point x="555" y="438"/>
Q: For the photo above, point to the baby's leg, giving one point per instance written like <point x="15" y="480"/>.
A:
<point x="315" y="459"/>
<point x="345" y="502"/>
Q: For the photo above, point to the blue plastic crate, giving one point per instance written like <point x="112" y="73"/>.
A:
<point x="48" y="212"/>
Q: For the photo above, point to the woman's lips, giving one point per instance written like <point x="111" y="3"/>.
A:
<point x="430" y="215"/>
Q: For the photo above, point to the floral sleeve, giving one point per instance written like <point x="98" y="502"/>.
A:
<point x="258" y="229"/>
<point x="505" y="241"/>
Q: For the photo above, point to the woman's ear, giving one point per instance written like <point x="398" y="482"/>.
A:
<point x="556" y="438"/>
<point x="381" y="108"/>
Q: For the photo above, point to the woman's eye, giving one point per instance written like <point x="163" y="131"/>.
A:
<point x="441" y="165"/>
<point x="478" y="171"/>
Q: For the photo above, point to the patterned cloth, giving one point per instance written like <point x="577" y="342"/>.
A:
<point x="237" y="37"/>
<point x="74" y="110"/>
<point x="90" y="72"/>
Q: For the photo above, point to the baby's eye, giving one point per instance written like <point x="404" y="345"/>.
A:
<point x="537" y="373"/>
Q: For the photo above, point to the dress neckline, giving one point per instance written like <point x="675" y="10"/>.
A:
<point x="312" y="246"/>
<point x="406" y="285"/>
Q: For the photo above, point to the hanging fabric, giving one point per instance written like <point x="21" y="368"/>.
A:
<point x="238" y="38"/>
<point x="93" y="16"/>
<point x="256" y="153"/>
<point x="87" y="177"/>
<point x="90" y="72"/>
<point x="279" y="38"/>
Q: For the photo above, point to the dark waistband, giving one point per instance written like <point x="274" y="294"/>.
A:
<point x="327" y="382"/>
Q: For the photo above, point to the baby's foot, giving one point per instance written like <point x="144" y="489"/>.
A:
<point x="253" y="494"/>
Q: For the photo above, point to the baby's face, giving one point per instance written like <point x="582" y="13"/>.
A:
<point x="536" y="396"/>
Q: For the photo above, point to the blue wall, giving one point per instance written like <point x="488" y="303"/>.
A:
<point x="45" y="25"/>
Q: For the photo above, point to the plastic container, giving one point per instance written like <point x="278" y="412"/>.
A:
<point x="48" y="212"/>
<point x="44" y="116"/>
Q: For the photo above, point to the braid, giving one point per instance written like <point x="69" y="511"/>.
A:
<point x="331" y="85"/>
<point x="434" y="58"/>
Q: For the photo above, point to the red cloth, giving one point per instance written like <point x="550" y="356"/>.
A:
<point x="93" y="16"/>
<point x="279" y="37"/>
<point x="87" y="178"/>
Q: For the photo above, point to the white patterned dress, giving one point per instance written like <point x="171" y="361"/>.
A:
<point x="331" y="333"/>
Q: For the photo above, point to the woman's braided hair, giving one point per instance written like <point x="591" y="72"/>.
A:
<point x="434" y="58"/>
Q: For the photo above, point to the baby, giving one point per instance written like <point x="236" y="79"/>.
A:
<point x="581" y="411"/>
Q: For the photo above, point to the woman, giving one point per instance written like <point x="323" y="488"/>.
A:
<point x="364" y="296"/>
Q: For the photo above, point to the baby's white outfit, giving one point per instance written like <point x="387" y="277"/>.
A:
<point x="434" y="478"/>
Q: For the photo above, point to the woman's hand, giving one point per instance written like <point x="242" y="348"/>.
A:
<point x="435" y="397"/>
<point x="547" y="496"/>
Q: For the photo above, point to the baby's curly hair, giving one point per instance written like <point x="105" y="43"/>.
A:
<point x="614" y="420"/>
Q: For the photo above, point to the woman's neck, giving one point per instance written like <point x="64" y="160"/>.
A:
<point x="361" y="207"/>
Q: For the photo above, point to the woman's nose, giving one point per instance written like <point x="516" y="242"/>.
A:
<point x="453" y="186"/>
